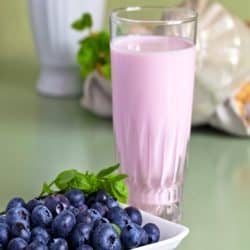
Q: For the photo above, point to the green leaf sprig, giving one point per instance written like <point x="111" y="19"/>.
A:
<point x="107" y="179"/>
<point x="84" y="22"/>
<point x="94" y="50"/>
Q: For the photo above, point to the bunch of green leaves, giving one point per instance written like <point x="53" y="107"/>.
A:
<point x="107" y="179"/>
<point x="94" y="50"/>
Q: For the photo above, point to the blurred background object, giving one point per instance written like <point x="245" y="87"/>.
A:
<point x="16" y="38"/>
<point x="222" y="93"/>
<point x="220" y="98"/>
<point x="57" y="43"/>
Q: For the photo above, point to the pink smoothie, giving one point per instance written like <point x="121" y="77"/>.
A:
<point x="153" y="81"/>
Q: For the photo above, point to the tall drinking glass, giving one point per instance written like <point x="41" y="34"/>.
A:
<point x="153" y="68"/>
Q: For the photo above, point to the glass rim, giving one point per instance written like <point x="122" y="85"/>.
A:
<point x="192" y="17"/>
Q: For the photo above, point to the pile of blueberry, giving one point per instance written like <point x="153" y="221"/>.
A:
<point x="73" y="221"/>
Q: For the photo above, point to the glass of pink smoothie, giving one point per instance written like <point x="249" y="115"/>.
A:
<point x="153" y="68"/>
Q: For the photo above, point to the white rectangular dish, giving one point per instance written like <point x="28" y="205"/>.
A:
<point x="171" y="233"/>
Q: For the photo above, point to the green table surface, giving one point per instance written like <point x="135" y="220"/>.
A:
<point x="40" y="136"/>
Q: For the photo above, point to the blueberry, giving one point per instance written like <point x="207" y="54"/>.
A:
<point x="57" y="203"/>
<point x="17" y="214"/>
<point x="41" y="216"/>
<point x="77" y="210"/>
<point x="74" y="210"/>
<point x="91" y="200"/>
<point x="2" y="218"/>
<point x="101" y="221"/>
<point x="83" y="208"/>
<point x="85" y="247"/>
<point x="153" y="232"/>
<point x="144" y="239"/>
<point x="94" y="214"/>
<point x="84" y="218"/>
<point x="80" y="234"/>
<point x="111" y="202"/>
<point x="102" y="209"/>
<point x="101" y="196"/>
<point x="4" y="234"/>
<point x="58" y="244"/>
<point x="131" y="236"/>
<point x="33" y="203"/>
<point x="76" y="197"/>
<point x="17" y="244"/>
<point x="118" y="216"/>
<point x="117" y="211"/>
<point x="15" y="202"/>
<point x="40" y="234"/>
<point x="134" y="214"/>
<point x="39" y="239"/>
<point x="36" y="245"/>
<point x="20" y="229"/>
<point x="104" y="237"/>
<point x="63" y="224"/>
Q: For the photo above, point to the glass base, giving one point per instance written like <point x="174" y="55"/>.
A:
<point x="164" y="202"/>
<point x="171" y="212"/>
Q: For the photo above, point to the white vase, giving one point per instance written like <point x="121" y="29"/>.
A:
<point x="57" y="43"/>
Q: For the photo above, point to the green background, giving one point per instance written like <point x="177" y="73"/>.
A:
<point x="15" y="35"/>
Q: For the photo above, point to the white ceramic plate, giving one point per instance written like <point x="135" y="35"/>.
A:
<point x="171" y="233"/>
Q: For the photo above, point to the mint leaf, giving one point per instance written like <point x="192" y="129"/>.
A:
<point x="87" y="20"/>
<point x="88" y="52"/>
<point x="94" y="50"/>
<point x="63" y="180"/>
<point x="118" y="177"/>
<point x="103" y="41"/>
<point x="106" y="179"/>
<point x="87" y="56"/>
<point x="83" y="23"/>
<point x="121" y="191"/>
<point x="108" y="171"/>
<point x="88" y="182"/>
<point x="77" y="25"/>
<point x="86" y="70"/>
<point x="46" y="189"/>
<point x="84" y="183"/>
<point x="106" y="70"/>
<point x="117" y="189"/>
